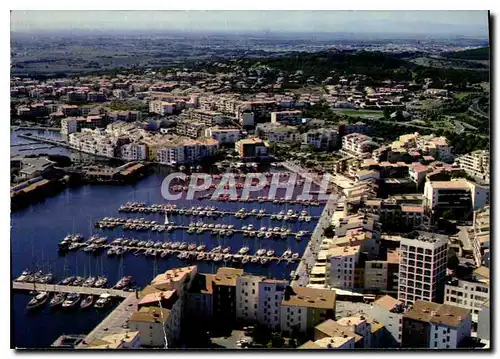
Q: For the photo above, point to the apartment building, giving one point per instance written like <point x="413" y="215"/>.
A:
<point x="344" y="342"/>
<point x="247" y="297"/>
<point x="469" y="294"/>
<point x="480" y="239"/>
<point x="483" y="323"/>
<point x="476" y="164"/>
<point x="422" y="267"/>
<point x="199" y="303"/>
<point x="437" y="147"/>
<point x="358" y="127"/>
<point x="389" y="312"/>
<point x="76" y="124"/>
<point x="162" y="108"/>
<point x="458" y="194"/>
<point x="207" y="118"/>
<point x="181" y="151"/>
<point x="224" y="296"/>
<point x="435" y="326"/>
<point x="342" y="264"/>
<point x="303" y="308"/>
<point x="134" y="152"/>
<point x="190" y="129"/>
<point x="325" y="138"/>
<point x="224" y="135"/>
<point x="287" y="117"/>
<point x="333" y="329"/>
<point x="251" y="148"/>
<point x="270" y="297"/>
<point x="358" y="145"/>
<point x="362" y="230"/>
<point x="393" y="214"/>
<point x="277" y="133"/>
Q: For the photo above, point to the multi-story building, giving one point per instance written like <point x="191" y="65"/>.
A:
<point x="325" y="138"/>
<point x="224" y="296"/>
<point x="223" y="135"/>
<point x="422" y="267"/>
<point x="181" y="151"/>
<point x="75" y="124"/>
<point x="476" y="164"/>
<point x="190" y="129"/>
<point x="278" y="133"/>
<point x="457" y="194"/>
<point x="247" y="297"/>
<point x="287" y="117"/>
<point x="389" y="312"/>
<point x="251" y="148"/>
<point x="357" y="145"/>
<point x="162" y="108"/>
<point x="376" y="275"/>
<point x="127" y="340"/>
<point x="483" y="323"/>
<point x="348" y="128"/>
<point x="342" y="263"/>
<point x="199" y="304"/>
<point x="469" y="294"/>
<point x="208" y="118"/>
<point x="333" y="329"/>
<point x="480" y="239"/>
<point x="303" y="308"/>
<point x="134" y="152"/>
<point x="271" y="294"/>
<point x="435" y="326"/>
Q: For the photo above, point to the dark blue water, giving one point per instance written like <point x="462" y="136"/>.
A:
<point x="37" y="230"/>
<point x="35" y="147"/>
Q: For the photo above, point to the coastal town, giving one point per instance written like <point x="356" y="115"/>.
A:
<point x="391" y="248"/>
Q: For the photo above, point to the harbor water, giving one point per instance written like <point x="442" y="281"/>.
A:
<point x="37" y="230"/>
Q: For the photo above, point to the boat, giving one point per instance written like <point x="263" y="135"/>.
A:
<point x="157" y="245"/>
<point x="245" y="260"/>
<point x="57" y="300"/>
<point x="149" y="244"/>
<point x="100" y="282"/>
<point x="71" y="300"/>
<point x="260" y="234"/>
<point x="68" y="280"/>
<point x="89" y="282"/>
<point x="141" y="243"/>
<point x="78" y="281"/>
<point x="254" y="260"/>
<point x="102" y="301"/>
<point x="295" y="256"/>
<point x="216" y="249"/>
<point x="237" y="258"/>
<point x="119" y="251"/>
<point x="191" y="246"/>
<point x="87" y="302"/>
<point x="200" y="256"/>
<point x="38" y="300"/>
<point x="47" y="278"/>
<point x="111" y="251"/>
<point x="251" y="233"/>
<point x="287" y="253"/>
<point x="243" y="250"/>
<point x="260" y="252"/>
<point x="201" y="248"/>
<point x="175" y="245"/>
<point x="191" y="230"/>
<point x="217" y="258"/>
<point x="182" y="255"/>
<point x="164" y="253"/>
<point x="263" y="261"/>
<point x="227" y="257"/>
<point x="183" y="246"/>
<point x="124" y="282"/>
<point x="226" y="250"/>
<point x="270" y="253"/>
<point x="268" y="235"/>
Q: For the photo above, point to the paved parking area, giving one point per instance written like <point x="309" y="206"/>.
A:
<point x="231" y="341"/>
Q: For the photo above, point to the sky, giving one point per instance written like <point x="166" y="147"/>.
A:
<point x="469" y="23"/>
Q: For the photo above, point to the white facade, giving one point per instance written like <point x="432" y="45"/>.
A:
<point x="321" y="138"/>
<point x="223" y="135"/>
<point x="293" y="317"/>
<point x="247" y="297"/>
<point x="161" y="107"/>
<point x="468" y="295"/>
<point x="453" y="194"/>
<point x="269" y="306"/>
<point x="287" y="117"/>
<point x="391" y="318"/>
<point x="357" y="144"/>
<point x="342" y="262"/>
<point x="422" y="268"/>
<point x="134" y="152"/>
<point x="446" y="337"/>
<point x="69" y="125"/>
<point x="476" y="164"/>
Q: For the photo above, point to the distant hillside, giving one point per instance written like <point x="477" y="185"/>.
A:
<point x="481" y="53"/>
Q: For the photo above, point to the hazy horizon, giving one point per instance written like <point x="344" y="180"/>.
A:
<point x="443" y="22"/>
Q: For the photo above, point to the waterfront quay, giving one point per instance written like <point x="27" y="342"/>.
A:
<point x="56" y="288"/>
<point x="116" y="322"/>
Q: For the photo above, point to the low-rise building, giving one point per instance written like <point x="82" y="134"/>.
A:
<point x="278" y="133"/>
<point x="127" y="340"/>
<point x="287" y="117"/>
<point x="389" y="312"/>
<point x="358" y="145"/>
<point x="251" y="148"/>
<point x="435" y="326"/>
<point x="303" y="308"/>
<point x="223" y="135"/>
<point x="325" y="138"/>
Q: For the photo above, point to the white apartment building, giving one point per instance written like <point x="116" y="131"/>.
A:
<point x="271" y="293"/>
<point x="458" y="193"/>
<point x="162" y="108"/>
<point x="224" y="135"/>
<point x="69" y="125"/>
<point x="435" y="326"/>
<point x="247" y="297"/>
<point x="278" y="133"/>
<point x="134" y="152"/>
<point x="358" y="145"/>
<point x="324" y="138"/>
<point x="342" y="262"/>
<point x="422" y="267"/>
<point x="476" y="164"/>
<point x="389" y="312"/>
<point x="360" y="326"/>
<point x="469" y="294"/>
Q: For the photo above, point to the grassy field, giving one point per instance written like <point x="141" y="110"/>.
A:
<point x="460" y="95"/>
<point x="354" y="113"/>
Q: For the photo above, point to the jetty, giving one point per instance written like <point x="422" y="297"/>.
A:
<point x="56" y="288"/>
